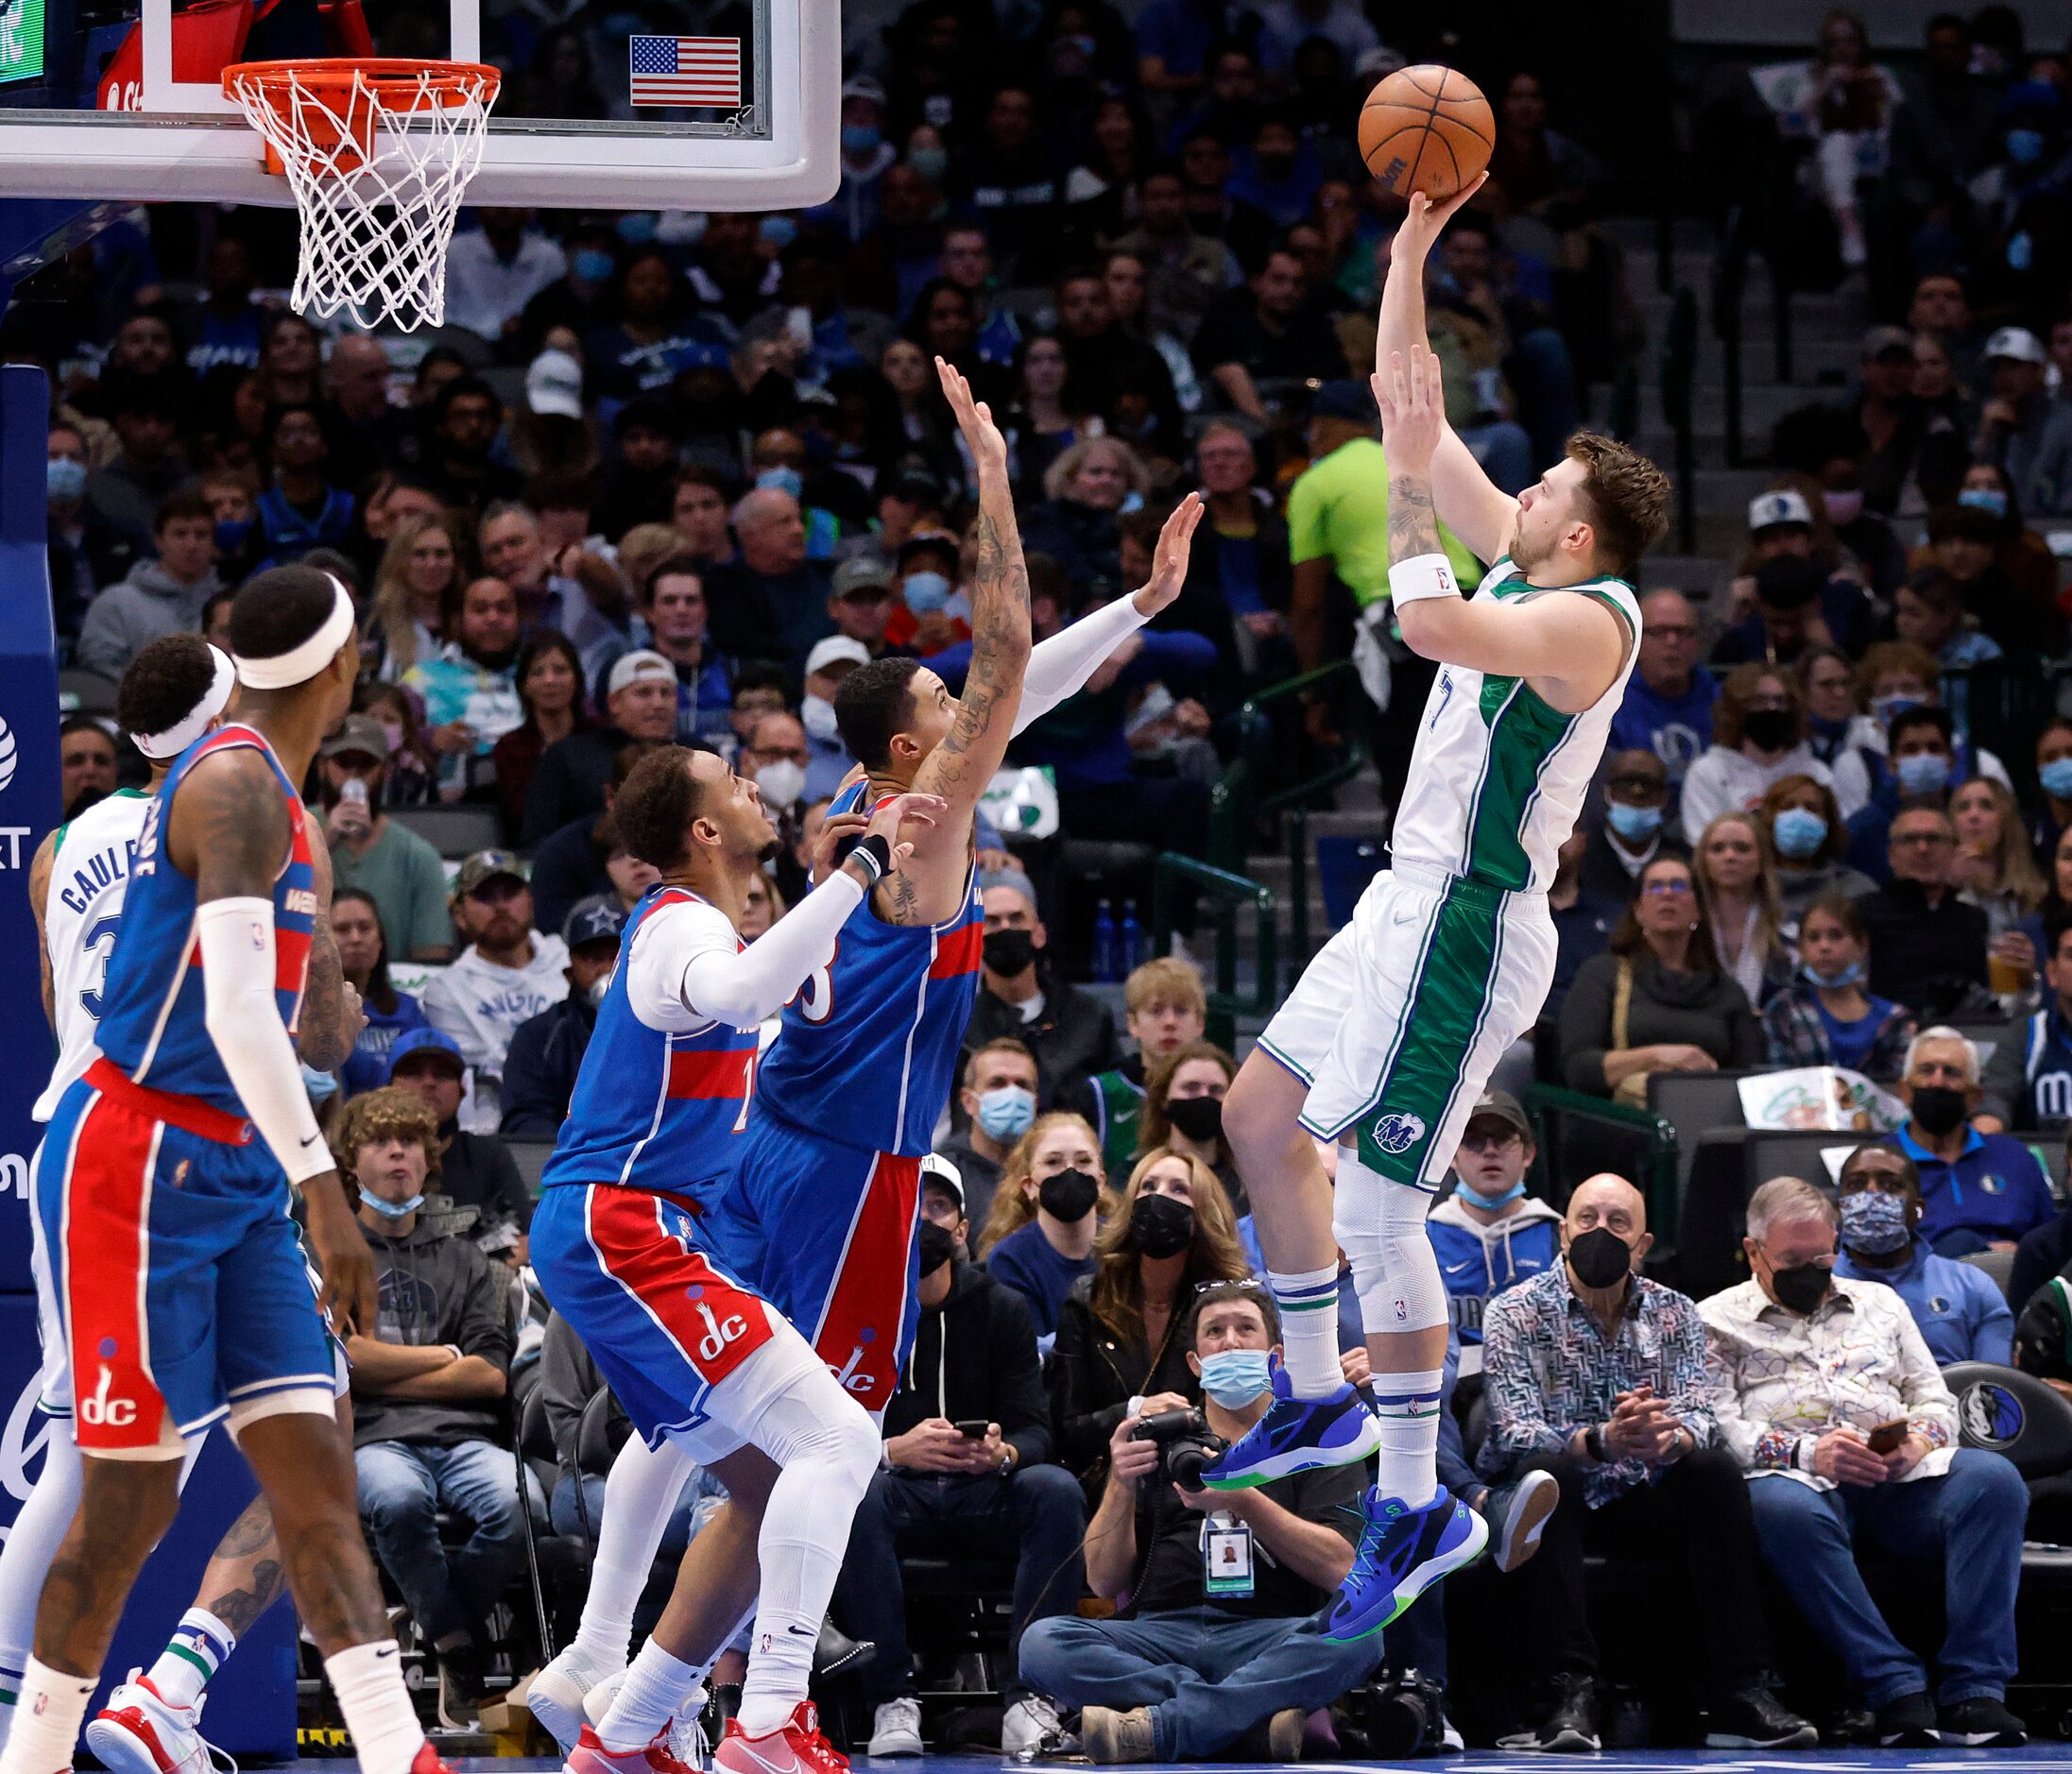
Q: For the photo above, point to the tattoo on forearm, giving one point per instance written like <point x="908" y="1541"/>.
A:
<point x="320" y="1033"/>
<point x="1413" y="527"/>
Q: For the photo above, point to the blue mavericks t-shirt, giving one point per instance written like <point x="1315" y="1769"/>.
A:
<point x="1025" y="1261"/>
<point x="1675" y="729"/>
<point x="1849" y="1043"/>
<point x="366" y="1066"/>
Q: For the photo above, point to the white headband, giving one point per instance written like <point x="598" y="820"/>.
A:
<point x="284" y="671"/>
<point x="182" y="734"/>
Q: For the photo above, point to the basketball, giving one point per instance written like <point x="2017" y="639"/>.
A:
<point x="1426" y="129"/>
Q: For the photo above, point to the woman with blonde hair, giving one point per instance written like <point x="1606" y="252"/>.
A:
<point x="420" y="571"/>
<point x="1737" y="878"/>
<point x="1084" y="492"/>
<point x="1118" y="1333"/>
<point x="1994" y="870"/>
<point x="1039" y="1235"/>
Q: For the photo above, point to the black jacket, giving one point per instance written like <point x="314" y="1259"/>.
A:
<point x="475" y="1171"/>
<point x="1073" y="1040"/>
<point x="570" y="782"/>
<point x="1925" y="957"/>
<point x="1093" y="1375"/>
<point x="436" y="1286"/>
<point x="1601" y="873"/>
<point x="540" y="1069"/>
<point x="975" y="1356"/>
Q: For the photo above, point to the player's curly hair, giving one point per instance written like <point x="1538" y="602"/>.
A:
<point x="1628" y="496"/>
<point x="875" y="701"/>
<point x="165" y="684"/>
<point x="390" y="1113"/>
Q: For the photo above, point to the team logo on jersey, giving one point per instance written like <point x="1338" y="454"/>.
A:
<point x="1992" y="1184"/>
<point x="9" y="755"/>
<point x="1397" y="1134"/>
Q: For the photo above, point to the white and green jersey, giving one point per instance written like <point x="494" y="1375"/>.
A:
<point x="1497" y="776"/>
<point x="89" y="877"/>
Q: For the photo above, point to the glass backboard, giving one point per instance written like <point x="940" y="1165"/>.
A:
<point x="605" y="104"/>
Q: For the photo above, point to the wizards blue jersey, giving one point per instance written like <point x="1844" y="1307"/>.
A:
<point x="654" y="1109"/>
<point x="152" y="1005"/>
<point x="871" y="1042"/>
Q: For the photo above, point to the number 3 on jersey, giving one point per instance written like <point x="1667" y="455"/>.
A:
<point x="815" y="995"/>
<point x="99" y="942"/>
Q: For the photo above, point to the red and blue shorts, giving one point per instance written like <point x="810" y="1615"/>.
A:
<point x="827" y="1234"/>
<point x="177" y="1277"/>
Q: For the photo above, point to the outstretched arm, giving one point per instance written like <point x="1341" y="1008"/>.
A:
<point x="1060" y="666"/>
<point x="960" y="767"/>
<point x="1571" y="646"/>
<point x="1475" y="509"/>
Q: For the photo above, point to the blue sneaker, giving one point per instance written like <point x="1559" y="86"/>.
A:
<point x="1296" y="1435"/>
<point x="1402" y="1553"/>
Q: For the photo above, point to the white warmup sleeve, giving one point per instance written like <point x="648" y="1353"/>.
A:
<point x="688" y="970"/>
<point x="243" y="1021"/>
<point x="1060" y="666"/>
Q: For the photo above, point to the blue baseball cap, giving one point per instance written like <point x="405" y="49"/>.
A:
<point x="426" y="1040"/>
<point x="596" y="920"/>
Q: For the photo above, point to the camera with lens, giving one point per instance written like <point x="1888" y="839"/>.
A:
<point x="1405" y="1716"/>
<point x="1186" y="1444"/>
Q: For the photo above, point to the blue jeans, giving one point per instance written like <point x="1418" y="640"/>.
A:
<point x="1208" y="1676"/>
<point x="1971" y="1518"/>
<point x="1036" y="1515"/>
<point x="402" y="1486"/>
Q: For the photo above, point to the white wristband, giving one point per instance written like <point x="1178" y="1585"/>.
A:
<point x="1422" y="576"/>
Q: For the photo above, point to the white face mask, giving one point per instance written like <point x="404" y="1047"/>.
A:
<point x="817" y="715"/>
<point x="782" y="783"/>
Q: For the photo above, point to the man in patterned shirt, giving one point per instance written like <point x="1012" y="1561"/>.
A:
<point x="1596" y="1374"/>
<point x="1809" y="1374"/>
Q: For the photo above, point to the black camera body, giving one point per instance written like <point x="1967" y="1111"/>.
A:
<point x="1405" y="1716"/>
<point x="1186" y="1444"/>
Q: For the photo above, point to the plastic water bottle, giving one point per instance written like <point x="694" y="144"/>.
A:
<point x="1103" y="943"/>
<point x="1132" y="943"/>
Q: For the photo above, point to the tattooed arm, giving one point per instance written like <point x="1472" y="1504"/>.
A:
<point x="982" y="719"/>
<point x="1476" y="510"/>
<point x="1571" y="646"/>
<point x="331" y="1017"/>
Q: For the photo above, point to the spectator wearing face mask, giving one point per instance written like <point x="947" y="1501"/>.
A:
<point x="546" y="1051"/>
<point x="1928" y="945"/>
<point x="1921" y="769"/>
<point x="928" y="614"/>
<point x="2021" y="429"/>
<point x="1070" y="1032"/>
<point x="998" y="1095"/>
<point x="1636" y="801"/>
<point x="1183" y="1112"/>
<point x="1490" y="1235"/>
<point x="1164" y="1009"/>
<point x="1810" y="841"/>
<point x="1827" y="1016"/>
<point x="1040" y="1232"/>
<point x="1798" y="599"/>
<point x="1896" y="677"/>
<point x="1978" y="1192"/>
<point x="828" y="760"/>
<point x="1957" y="1308"/>
<point x="1758" y="736"/>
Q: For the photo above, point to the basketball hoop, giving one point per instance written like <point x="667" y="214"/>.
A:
<point x="378" y="154"/>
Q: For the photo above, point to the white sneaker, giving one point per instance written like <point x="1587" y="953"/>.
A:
<point x="139" y="1732"/>
<point x="557" y="1696"/>
<point x="897" y="1729"/>
<point x="1025" y="1724"/>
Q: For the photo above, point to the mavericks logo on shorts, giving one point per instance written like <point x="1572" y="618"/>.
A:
<point x="1397" y="1134"/>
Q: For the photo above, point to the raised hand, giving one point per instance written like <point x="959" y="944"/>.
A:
<point x="974" y="419"/>
<point x="1168" y="560"/>
<point x="1421" y="226"/>
<point x="899" y="811"/>
<point x="1412" y="397"/>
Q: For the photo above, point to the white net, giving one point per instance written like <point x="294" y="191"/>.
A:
<point x="379" y="156"/>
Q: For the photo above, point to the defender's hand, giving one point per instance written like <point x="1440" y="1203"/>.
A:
<point x="974" y="419"/>
<point x="1168" y="560"/>
<point x="1414" y="408"/>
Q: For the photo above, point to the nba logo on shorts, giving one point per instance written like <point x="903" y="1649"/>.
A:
<point x="1397" y="1134"/>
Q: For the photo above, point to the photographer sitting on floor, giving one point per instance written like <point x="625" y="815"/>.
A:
<point x="1225" y="1588"/>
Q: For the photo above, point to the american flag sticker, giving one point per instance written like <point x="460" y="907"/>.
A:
<point x="686" y="70"/>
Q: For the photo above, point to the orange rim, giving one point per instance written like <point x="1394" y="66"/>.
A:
<point x="451" y="83"/>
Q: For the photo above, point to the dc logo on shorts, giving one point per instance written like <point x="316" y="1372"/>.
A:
<point x="1397" y="1134"/>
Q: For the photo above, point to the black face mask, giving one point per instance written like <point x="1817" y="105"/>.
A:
<point x="1600" y="1256"/>
<point x="1802" y="1287"/>
<point x="938" y="1245"/>
<point x="1161" y="1226"/>
<point x="1069" y="1195"/>
<point x="1770" y="730"/>
<point x="1938" y="1108"/>
<point x="1199" y="1118"/>
<point x="1008" y="952"/>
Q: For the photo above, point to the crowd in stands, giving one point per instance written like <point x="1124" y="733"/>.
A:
<point x="670" y="479"/>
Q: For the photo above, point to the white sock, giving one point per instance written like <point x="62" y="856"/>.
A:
<point x="1308" y="1330"/>
<point x="638" y="1495"/>
<point x="32" y="1543"/>
<point x="48" y="1720"/>
<point x="191" y="1658"/>
<point x="367" y="1680"/>
<point x="1407" y="1407"/>
<point x="656" y="1688"/>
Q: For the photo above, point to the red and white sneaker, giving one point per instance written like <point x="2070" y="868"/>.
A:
<point x="589" y="1756"/>
<point x="139" y="1731"/>
<point x="795" y="1747"/>
<point x="426" y="1760"/>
